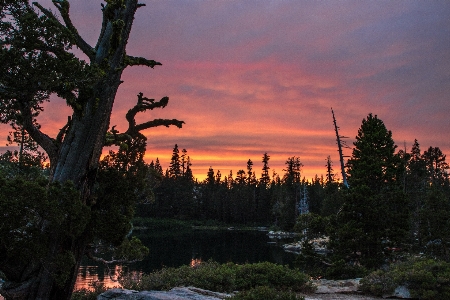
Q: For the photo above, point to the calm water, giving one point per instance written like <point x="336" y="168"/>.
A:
<point x="177" y="248"/>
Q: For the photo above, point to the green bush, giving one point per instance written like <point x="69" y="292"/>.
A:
<point x="342" y="270"/>
<point x="266" y="293"/>
<point x="425" y="278"/>
<point x="269" y="274"/>
<point x="221" y="278"/>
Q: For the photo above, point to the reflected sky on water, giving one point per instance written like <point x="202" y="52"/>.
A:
<point x="191" y="247"/>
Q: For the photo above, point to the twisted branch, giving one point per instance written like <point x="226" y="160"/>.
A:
<point x="140" y="61"/>
<point x="43" y="140"/>
<point x="63" y="7"/>
<point x="133" y="131"/>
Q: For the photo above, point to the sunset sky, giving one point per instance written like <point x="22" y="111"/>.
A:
<point x="251" y="76"/>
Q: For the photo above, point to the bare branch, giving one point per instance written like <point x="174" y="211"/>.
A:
<point x="43" y="140"/>
<point x="107" y="262"/>
<point x="133" y="132"/>
<point x="144" y="104"/>
<point x="140" y="61"/>
<point x="63" y="7"/>
<point x="63" y="130"/>
<point x="159" y="122"/>
<point x="113" y="137"/>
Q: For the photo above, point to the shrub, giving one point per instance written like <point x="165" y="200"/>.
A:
<point x="425" y="278"/>
<point x="272" y="275"/>
<point x="221" y="278"/>
<point x="342" y="270"/>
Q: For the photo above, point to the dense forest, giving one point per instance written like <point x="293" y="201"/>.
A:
<point x="397" y="200"/>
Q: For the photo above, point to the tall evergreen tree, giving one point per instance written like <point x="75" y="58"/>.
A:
<point x="158" y="167"/>
<point x="292" y="171"/>
<point x="175" y="163"/>
<point x="436" y="166"/>
<point x="188" y="173"/>
<point x="374" y="216"/>
<point x="330" y="174"/>
<point x="241" y="178"/>
<point x="265" y="177"/>
<point x="289" y="193"/>
<point x="210" y="176"/>
<point x="251" y="179"/>
<point x="416" y="186"/>
<point x="183" y="161"/>
<point x="218" y="177"/>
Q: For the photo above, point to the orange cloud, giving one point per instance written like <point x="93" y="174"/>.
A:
<point x="252" y="77"/>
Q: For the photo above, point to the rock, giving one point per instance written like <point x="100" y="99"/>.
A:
<point x="319" y="245"/>
<point x="281" y="234"/>
<point x="336" y="286"/>
<point x="179" y="293"/>
<point x="401" y="292"/>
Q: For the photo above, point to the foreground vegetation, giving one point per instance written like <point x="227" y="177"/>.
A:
<point x="425" y="279"/>
<point x="227" y="277"/>
<point x="252" y="281"/>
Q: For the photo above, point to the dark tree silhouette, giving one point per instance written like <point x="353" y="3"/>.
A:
<point x="35" y="62"/>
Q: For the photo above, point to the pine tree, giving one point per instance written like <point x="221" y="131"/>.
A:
<point x="158" y="167"/>
<point x="374" y="216"/>
<point x="218" y="177"/>
<point x="416" y="185"/>
<point x="241" y="177"/>
<point x="265" y="178"/>
<point x="251" y="178"/>
<point x="183" y="161"/>
<point x="436" y="166"/>
<point x="292" y="172"/>
<point x="290" y="193"/>
<point x="434" y="219"/>
<point x="210" y="176"/>
<point x="175" y="164"/>
<point x="188" y="173"/>
<point x="230" y="180"/>
<point x="330" y="174"/>
<point x="373" y="158"/>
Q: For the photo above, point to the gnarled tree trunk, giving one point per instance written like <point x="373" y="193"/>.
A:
<point x="75" y="153"/>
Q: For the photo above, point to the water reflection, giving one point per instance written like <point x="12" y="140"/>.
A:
<point x="175" y="248"/>
<point x="195" y="262"/>
<point x="89" y="274"/>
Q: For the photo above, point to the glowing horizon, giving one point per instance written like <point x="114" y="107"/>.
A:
<point x="250" y="77"/>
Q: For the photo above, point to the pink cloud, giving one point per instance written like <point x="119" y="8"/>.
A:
<point x="250" y="77"/>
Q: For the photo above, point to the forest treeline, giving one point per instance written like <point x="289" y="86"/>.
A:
<point x="397" y="200"/>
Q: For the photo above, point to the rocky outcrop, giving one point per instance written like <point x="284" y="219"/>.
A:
<point x="401" y="292"/>
<point x="351" y="286"/>
<point x="325" y="289"/>
<point x="281" y="234"/>
<point x="324" y="286"/>
<point x="179" y="293"/>
<point x="319" y="245"/>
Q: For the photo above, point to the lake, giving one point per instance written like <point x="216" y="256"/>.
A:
<point x="190" y="247"/>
